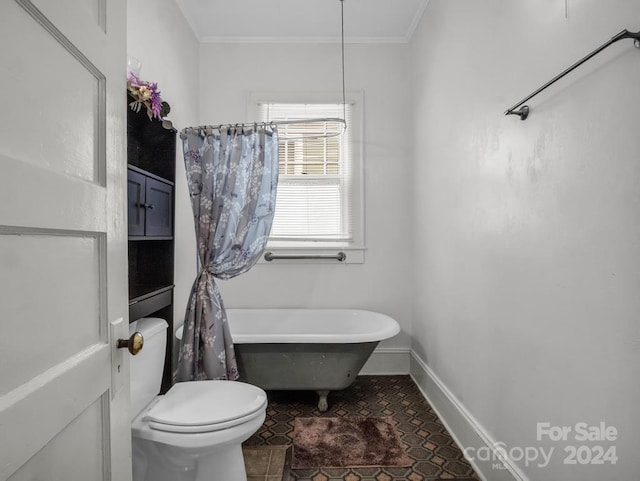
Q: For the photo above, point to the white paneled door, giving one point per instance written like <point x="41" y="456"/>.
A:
<point x="64" y="387"/>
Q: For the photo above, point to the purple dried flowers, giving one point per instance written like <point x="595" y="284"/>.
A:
<point x="146" y="94"/>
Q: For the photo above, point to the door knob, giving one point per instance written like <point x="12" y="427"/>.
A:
<point x="133" y="344"/>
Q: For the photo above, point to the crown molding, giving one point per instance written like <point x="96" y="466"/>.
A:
<point x="189" y="19"/>
<point x="416" y="20"/>
<point x="304" y="40"/>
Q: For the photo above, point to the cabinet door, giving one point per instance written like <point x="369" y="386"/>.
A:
<point x="159" y="208"/>
<point x="135" y="202"/>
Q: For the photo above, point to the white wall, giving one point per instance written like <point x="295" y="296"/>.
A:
<point x="527" y="267"/>
<point x="230" y="72"/>
<point x="159" y="36"/>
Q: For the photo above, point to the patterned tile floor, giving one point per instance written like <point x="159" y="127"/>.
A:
<point x="428" y="443"/>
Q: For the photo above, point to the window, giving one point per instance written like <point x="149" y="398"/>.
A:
<point x="319" y="202"/>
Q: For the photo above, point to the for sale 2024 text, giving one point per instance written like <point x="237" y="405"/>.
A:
<point x="582" y="433"/>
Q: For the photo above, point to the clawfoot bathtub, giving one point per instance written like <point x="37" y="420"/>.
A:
<point x="320" y="350"/>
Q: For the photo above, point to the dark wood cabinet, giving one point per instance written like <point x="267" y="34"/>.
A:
<point x="149" y="205"/>
<point x="151" y="153"/>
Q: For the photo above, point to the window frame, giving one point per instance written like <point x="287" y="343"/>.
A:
<point x="354" y="248"/>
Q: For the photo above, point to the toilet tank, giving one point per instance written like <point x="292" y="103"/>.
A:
<point x="147" y="366"/>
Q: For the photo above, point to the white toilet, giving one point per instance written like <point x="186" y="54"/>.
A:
<point x="193" y="432"/>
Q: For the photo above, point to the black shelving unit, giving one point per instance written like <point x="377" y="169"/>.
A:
<point x="151" y="154"/>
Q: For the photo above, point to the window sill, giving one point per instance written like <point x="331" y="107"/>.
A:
<point x="313" y="254"/>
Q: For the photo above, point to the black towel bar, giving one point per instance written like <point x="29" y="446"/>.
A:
<point x="524" y="111"/>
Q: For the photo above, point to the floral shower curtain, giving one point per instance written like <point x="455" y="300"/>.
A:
<point x="232" y="177"/>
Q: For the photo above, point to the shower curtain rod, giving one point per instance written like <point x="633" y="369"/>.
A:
<point x="524" y="111"/>
<point x="270" y="123"/>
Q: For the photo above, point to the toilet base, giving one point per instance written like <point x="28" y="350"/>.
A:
<point x="225" y="465"/>
<point x="158" y="462"/>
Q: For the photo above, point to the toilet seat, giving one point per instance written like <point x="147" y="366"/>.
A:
<point x="206" y="406"/>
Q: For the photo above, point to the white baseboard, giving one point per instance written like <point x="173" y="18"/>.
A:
<point x="462" y="426"/>
<point x="388" y="361"/>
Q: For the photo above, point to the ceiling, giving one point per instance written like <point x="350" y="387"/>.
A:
<point x="317" y="21"/>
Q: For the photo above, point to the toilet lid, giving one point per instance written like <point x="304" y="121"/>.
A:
<point x="203" y="406"/>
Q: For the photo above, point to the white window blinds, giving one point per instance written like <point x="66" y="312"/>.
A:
<point x="314" y="201"/>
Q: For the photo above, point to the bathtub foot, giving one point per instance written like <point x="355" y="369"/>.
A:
<point x="323" y="405"/>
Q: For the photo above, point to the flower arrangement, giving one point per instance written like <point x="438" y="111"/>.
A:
<point x="146" y="94"/>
